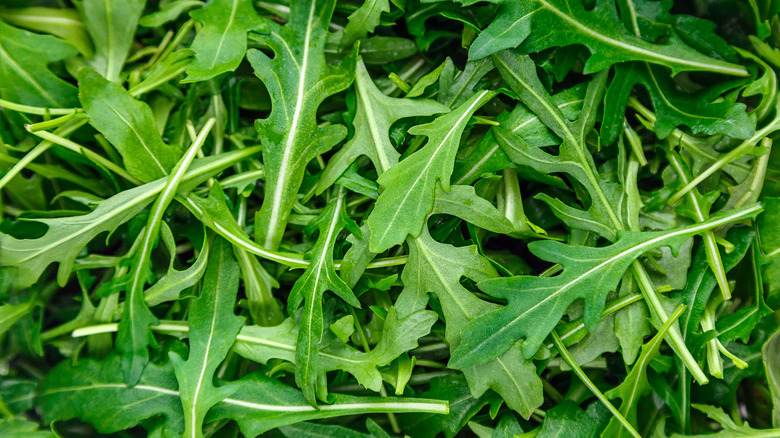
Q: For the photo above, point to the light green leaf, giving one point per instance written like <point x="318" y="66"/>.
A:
<point x="128" y="124"/>
<point x="298" y="80"/>
<point x="213" y="328"/>
<point x="373" y="118"/>
<point x="24" y="73"/>
<point x="111" y="25"/>
<point x="168" y="12"/>
<point x="319" y="277"/>
<point x="220" y="44"/>
<point x="362" y="22"/>
<point x="437" y="268"/>
<point x="463" y="202"/>
<point x="63" y="23"/>
<point x="408" y="188"/>
<point x="588" y="273"/>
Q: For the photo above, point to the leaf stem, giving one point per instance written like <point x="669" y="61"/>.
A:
<point x="96" y="158"/>
<point x="36" y="109"/>
<point x="36" y="151"/>
<point x="567" y="357"/>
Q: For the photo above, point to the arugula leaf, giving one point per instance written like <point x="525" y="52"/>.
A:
<point x="298" y="79"/>
<point x="541" y="24"/>
<point x="309" y="289"/>
<point x="373" y="118"/>
<point x="220" y="45"/>
<point x="408" y="188"/>
<point x="24" y="73"/>
<point x="212" y="328"/>
<point x="112" y="27"/>
<point x="588" y="273"/>
<point x="128" y="124"/>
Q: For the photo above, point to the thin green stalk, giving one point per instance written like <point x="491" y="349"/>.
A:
<point x="56" y="123"/>
<point x="27" y="109"/>
<point x="728" y="157"/>
<point x="710" y="245"/>
<point x="567" y="357"/>
<point x="96" y="158"/>
<point x="37" y="151"/>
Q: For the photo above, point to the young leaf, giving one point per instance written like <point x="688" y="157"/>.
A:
<point x="373" y="118"/>
<point x="128" y="124"/>
<point x="213" y="328"/>
<point x="112" y="27"/>
<point x="220" y="45"/>
<point x="298" y="79"/>
<point x="588" y="273"/>
<point x="24" y="73"/>
<point x="362" y="22"/>
<point x="319" y="277"/>
<point x="408" y="188"/>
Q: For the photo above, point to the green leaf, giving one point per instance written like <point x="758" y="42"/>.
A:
<point x="437" y="268"/>
<point x="169" y="286"/>
<point x="220" y="44"/>
<point x="408" y="188"/>
<point x="24" y="73"/>
<point x="63" y="23"/>
<point x="21" y="428"/>
<point x="672" y="107"/>
<point x="463" y="202"/>
<point x="588" y="273"/>
<point x="10" y="313"/>
<point x="128" y="124"/>
<point x="88" y="391"/>
<point x="636" y="384"/>
<point x="213" y="328"/>
<point x="298" y="80"/>
<point x="112" y="27"/>
<point x="262" y="403"/>
<point x="541" y="24"/>
<point x="66" y="236"/>
<point x="362" y="22"/>
<point x="168" y="12"/>
<point x="319" y="277"/>
<point x="566" y="419"/>
<point x="373" y="118"/>
<point x="730" y="428"/>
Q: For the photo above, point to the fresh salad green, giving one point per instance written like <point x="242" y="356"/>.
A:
<point x="380" y="218"/>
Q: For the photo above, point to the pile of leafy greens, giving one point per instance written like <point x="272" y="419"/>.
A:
<point x="379" y="218"/>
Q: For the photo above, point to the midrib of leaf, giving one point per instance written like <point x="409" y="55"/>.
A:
<point x="135" y="131"/>
<point x="278" y="195"/>
<point x="424" y="171"/>
<point x="227" y="28"/>
<point x="564" y="126"/>
<point x="630" y="253"/>
<point x="597" y="36"/>
<point x="379" y="407"/>
<point x="22" y="72"/>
